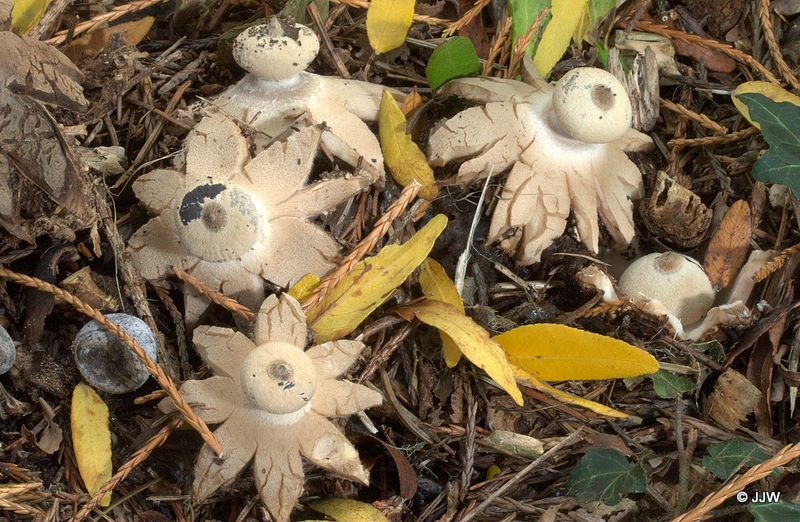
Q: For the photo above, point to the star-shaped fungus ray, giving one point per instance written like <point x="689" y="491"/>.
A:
<point x="272" y="398"/>
<point x="233" y="221"/>
<point x="565" y="145"/>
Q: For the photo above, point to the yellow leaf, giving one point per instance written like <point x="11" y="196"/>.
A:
<point x="402" y="156"/>
<point x="492" y="472"/>
<point x="554" y="352"/>
<point x="346" y="510"/>
<point x="303" y="288"/>
<point x="27" y="13"/>
<point x="371" y="283"/>
<point x="567" y="15"/>
<point x="472" y="340"/>
<point x="526" y="379"/>
<point x="774" y="92"/>
<point x="437" y="285"/>
<point x="91" y="439"/>
<point x="95" y="41"/>
<point x="388" y="22"/>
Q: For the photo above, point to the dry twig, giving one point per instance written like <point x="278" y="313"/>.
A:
<point x="154" y="369"/>
<point x="713" y="140"/>
<point x="775" y="263"/>
<point x="364" y="246"/>
<point x="137" y="458"/>
<point x="774" y="47"/>
<point x="467" y="18"/>
<point x="736" y="54"/>
<point x="702" y="119"/>
<point x="219" y="298"/>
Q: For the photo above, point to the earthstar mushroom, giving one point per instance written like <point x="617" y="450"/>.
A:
<point x="234" y="221"/>
<point x="278" y="90"/>
<point x="675" y="280"/>
<point x="272" y="398"/>
<point x="565" y="145"/>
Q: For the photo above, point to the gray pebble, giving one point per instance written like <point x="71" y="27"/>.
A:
<point x="8" y="352"/>
<point x="106" y="362"/>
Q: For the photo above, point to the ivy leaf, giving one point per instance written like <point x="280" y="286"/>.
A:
<point x="605" y="474"/>
<point x="775" y="512"/>
<point x="725" y="458"/>
<point x="455" y="58"/>
<point x="778" y="116"/>
<point x="297" y="10"/>
<point x="668" y="385"/>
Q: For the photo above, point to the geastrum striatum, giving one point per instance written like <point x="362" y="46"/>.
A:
<point x="565" y="144"/>
<point x="233" y="221"/>
<point x="272" y="399"/>
<point x="278" y="89"/>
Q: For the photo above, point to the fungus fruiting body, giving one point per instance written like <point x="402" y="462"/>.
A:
<point x="565" y="145"/>
<point x="675" y="280"/>
<point x="277" y="90"/>
<point x="675" y="286"/>
<point x="272" y="398"/>
<point x="233" y="221"/>
<point x="105" y="362"/>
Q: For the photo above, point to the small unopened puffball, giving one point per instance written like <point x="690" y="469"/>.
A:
<point x="8" y="352"/>
<point x="106" y="362"/>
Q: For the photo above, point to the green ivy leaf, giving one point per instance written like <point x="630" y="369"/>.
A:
<point x="725" y="458"/>
<point x="669" y="385"/>
<point x="455" y="58"/>
<point x="523" y="13"/>
<point x="296" y="10"/>
<point x="605" y="474"/>
<point x="775" y="512"/>
<point x="780" y="126"/>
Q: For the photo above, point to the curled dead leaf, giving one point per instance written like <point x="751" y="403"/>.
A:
<point x="728" y="247"/>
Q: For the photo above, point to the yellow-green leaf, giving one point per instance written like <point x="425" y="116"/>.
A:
<point x="402" y="156"/>
<point x="27" y="13"/>
<point x="388" y="22"/>
<point x="774" y="92"/>
<point x="567" y="15"/>
<point x="91" y="439"/>
<point x="526" y="379"/>
<point x="346" y="510"/>
<point x="554" y="352"/>
<point x="472" y="340"/>
<point x="303" y="288"/>
<point x="371" y="283"/>
<point x="437" y="285"/>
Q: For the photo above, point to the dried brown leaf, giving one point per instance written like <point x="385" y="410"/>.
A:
<point x="95" y="41"/>
<point x="728" y="247"/>
<point x="38" y="70"/>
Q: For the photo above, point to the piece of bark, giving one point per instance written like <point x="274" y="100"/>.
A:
<point x="733" y="399"/>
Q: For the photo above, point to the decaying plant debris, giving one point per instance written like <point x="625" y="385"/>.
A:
<point x="147" y="175"/>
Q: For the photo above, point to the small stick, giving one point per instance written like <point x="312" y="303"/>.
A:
<point x="155" y="370"/>
<point x="775" y="263"/>
<point x="521" y="474"/>
<point x="89" y="25"/>
<point x="736" y="54"/>
<point x="364" y="246"/>
<point x="216" y="297"/>
<point x="466" y="19"/>
<point x="702" y="119"/>
<point x="713" y="140"/>
<point x="463" y="260"/>
<point x="774" y="47"/>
